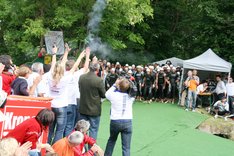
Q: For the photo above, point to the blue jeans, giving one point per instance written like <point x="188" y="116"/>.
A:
<point x="94" y="124"/>
<point x="192" y="97"/>
<point x="33" y="153"/>
<point x="56" y="130"/>
<point x="125" y="128"/>
<point x="71" y="116"/>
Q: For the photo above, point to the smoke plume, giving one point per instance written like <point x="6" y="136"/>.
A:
<point x="93" y="40"/>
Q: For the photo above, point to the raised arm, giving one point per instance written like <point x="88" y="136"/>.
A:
<point x="86" y="65"/>
<point x="82" y="54"/>
<point x="67" y="50"/>
<point x="54" y="50"/>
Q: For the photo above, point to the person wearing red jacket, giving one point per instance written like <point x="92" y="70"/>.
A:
<point x="31" y="130"/>
<point x="83" y="126"/>
<point x="8" y="73"/>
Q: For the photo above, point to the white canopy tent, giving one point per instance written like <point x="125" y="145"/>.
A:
<point x="174" y="60"/>
<point x="208" y="61"/>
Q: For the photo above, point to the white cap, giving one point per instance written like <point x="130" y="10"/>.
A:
<point x="117" y="63"/>
<point x="120" y="69"/>
<point x="112" y="69"/>
<point x="147" y="69"/>
<point x="151" y="67"/>
<point x="108" y="63"/>
<point x="130" y="72"/>
<point x="126" y="65"/>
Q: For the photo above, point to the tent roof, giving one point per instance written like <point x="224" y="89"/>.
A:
<point x="174" y="60"/>
<point x="208" y="61"/>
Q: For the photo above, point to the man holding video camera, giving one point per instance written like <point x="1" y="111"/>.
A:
<point x="121" y="95"/>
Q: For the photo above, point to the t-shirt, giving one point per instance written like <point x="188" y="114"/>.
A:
<point x="230" y="89"/>
<point x="29" y="130"/>
<point x="121" y="104"/>
<point x="43" y="86"/>
<point x="77" y="75"/>
<point x="200" y="88"/>
<point x="193" y="83"/>
<point x="63" y="148"/>
<point x="59" y="91"/>
<point x="30" y="81"/>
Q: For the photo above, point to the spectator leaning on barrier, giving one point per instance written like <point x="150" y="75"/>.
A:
<point x="31" y="130"/>
<point x="20" y="85"/>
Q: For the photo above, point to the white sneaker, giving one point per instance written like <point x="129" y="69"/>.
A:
<point x="193" y="110"/>
<point x="186" y="109"/>
<point x="216" y="116"/>
<point x="225" y="118"/>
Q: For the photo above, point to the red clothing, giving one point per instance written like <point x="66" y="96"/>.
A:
<point x="29" y="130"/>
<point x="7" y="79"/>
<point x="78" y="149"/>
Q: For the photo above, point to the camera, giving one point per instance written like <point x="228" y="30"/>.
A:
<point x="132" y="90"/>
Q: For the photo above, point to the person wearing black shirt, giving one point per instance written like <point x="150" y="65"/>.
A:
<point x="111" y="78"/>
<point x="139" y="80"/>
<point x="173" y="77"/>
<point x="148" y="83"/>
<point x="160" y="84"/>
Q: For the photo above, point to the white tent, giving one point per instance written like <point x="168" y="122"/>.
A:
<point x="208" y="61"/>
<point x="174" y="60"/>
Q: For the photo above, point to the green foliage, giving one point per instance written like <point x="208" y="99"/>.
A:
<point x="139" y="31"/>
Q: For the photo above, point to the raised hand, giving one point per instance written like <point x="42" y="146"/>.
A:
<point x="55" y="49"/>
<point x="87" y="51"/>
<point x="23" y="150"/>
<point x="67" y="48"/>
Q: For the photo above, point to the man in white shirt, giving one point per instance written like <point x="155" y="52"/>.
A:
<point x="121" y="116"/>
<point x="201" y="89"/>
<point x="37" y="71"/>
<point x="230" y="93"/>
<point x="220" y="89"/>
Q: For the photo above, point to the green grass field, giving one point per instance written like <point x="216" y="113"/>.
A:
<point x="166" y="130"/>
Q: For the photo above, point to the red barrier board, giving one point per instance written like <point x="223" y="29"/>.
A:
<point x="19" y="109"/>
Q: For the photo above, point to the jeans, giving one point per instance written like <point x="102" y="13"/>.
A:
<point x="34" y="153"/>
<point x="231" y="101"/>
<point x="77" y="111"/>
<point x="192" y="97"/>
<point x="125" y="128"/>
<point x="71" y="116"/>
<point x="56" y="130"/>
<point x="94" y="124"/>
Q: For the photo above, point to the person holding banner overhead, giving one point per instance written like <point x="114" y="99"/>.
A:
<point x="58" y="90"/>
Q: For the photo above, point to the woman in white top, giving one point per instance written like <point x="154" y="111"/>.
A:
<point x="58" y="90"/>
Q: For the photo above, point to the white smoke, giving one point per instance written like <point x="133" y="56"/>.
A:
<point x="93" y="40"/>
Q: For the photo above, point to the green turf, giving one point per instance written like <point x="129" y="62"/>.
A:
<point x="166" y="130"/>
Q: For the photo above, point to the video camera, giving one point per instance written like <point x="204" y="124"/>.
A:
<point x="132" y="91"/>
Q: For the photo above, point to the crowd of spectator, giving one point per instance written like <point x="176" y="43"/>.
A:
<point x="78" y="87"/>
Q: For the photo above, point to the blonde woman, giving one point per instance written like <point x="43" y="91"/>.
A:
<point x="58" y="90"/>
